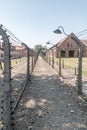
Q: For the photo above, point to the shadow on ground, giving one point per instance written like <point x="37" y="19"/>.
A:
<point x="48" y="104"/>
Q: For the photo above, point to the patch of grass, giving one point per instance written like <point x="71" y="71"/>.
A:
<point x="72" y="63"/>
<point x="15" y="61"/>
<point x="2" y="65"/>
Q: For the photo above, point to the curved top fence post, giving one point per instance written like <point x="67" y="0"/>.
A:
<point x="7" y="78"/>
<point x="28" y="63"/>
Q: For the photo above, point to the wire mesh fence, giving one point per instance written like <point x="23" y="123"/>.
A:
<point x="17" y="62"/>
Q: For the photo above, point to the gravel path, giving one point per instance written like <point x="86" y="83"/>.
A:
<point x="49" y="104"/>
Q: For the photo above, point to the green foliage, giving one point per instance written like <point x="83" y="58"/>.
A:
<point x="39" y="48"/>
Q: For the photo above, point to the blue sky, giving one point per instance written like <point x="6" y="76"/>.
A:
<point x="33" y="21"/>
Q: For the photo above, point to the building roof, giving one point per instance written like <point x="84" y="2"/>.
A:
<point x="84" y="42"/>
<point x="61" y="41"/>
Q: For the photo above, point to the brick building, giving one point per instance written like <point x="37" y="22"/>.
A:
<point x="68" y="47"/>
<point x="16" y="51"/>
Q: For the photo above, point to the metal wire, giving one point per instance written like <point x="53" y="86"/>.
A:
<point x="85" y="30"/>
<point x="11" y="34"/>
<point x="82" y="34"/>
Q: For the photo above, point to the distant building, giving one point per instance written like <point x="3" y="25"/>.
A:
<point x="16" y="51"/>
<point x="68" y="47"/>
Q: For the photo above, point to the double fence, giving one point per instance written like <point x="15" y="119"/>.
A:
<point x="17" y="62"/>
<point x="69" y="68"/>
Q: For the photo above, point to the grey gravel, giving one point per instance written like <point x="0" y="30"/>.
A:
<point x="49" y="104"/>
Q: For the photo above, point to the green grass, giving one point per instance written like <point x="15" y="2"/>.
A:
<point x="72" y="63"/>
<point x="84" y="66"/>
<point x="14" y="62"/>
<point x="2" y="65"/>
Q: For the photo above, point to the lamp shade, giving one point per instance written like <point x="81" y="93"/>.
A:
<point x="57" y="31"/>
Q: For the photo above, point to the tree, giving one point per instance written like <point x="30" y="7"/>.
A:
<point x="39" y="48"/>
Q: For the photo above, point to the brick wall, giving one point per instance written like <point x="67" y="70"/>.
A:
<point x="69" y="48"/>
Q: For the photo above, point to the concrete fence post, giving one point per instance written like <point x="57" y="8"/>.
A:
<point x="75" y="70"/>
<point x="52" y="58"/>
<point x="7" y="83"/>
<point x="79" y="78"/>
<point x="63" y="63"/>
<point x="28" y="61"/>
<point x="32" y="63"/>
<point x="49" y="57"/>
<point x="59" y="62"/>
<point x="28" y="64"/>
<point x="79" y="75"/>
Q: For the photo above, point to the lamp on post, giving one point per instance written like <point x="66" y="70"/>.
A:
<point x="78" y="42"/>
<point x="58" y="31"/>
<point x="59" y="58"/>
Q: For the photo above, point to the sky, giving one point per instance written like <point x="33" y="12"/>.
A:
<point x="33" y="21"/>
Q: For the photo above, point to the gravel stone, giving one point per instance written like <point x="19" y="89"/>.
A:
<point x="50" y="104"/>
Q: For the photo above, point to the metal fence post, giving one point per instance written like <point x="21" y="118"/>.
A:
<point x="7" y="83"/>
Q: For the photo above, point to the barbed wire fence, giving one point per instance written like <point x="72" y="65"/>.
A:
<point x="17" y="62"/>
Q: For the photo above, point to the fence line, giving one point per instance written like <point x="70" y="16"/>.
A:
<point x="70" y="75"/>
<point x="16" y="70"/>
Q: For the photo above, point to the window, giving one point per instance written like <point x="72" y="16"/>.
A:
<point x="68" y="45"/>
<point x="1" y="55"/>
<point x="71" y="45"/>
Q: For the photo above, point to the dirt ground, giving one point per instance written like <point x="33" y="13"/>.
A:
<point x="50" y="104"/>
<point x="18" y="74"/>
<point x="69" y="76"/>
